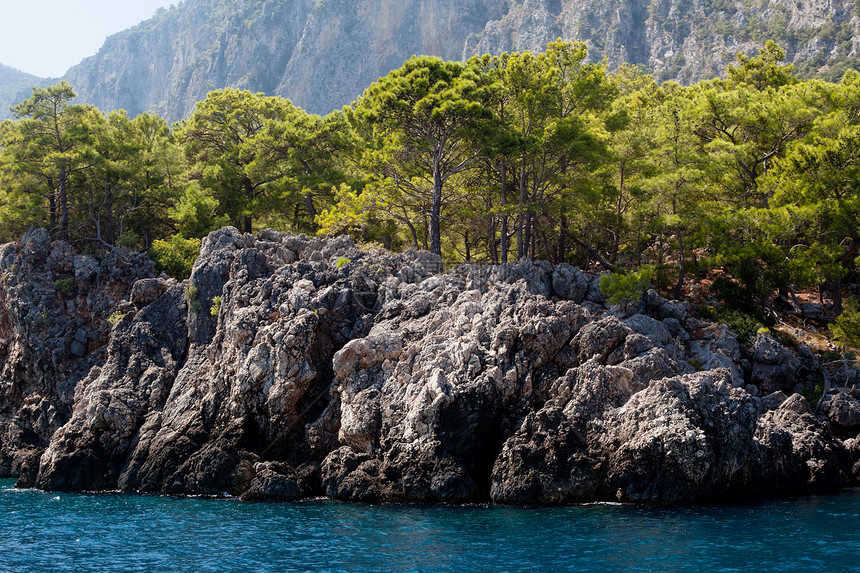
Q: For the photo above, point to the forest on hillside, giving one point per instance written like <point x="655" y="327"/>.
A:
<point x="545" y="156"/>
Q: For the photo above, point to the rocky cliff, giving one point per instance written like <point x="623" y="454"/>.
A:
<point x="323" y="53"/>
<point x="289" y="367"/>
<point x="55" y="306"/>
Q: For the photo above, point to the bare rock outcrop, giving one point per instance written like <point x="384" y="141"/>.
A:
<point x="55" y="305"/>
<point x="289" y="366"/>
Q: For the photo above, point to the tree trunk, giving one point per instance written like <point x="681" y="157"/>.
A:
<point x="528" y="250"/>
<point x="52" y="208"/>
<point x="561" y="246"/>
<point x="109" y="208"/>
<point x="249" y="195"/>
<point x="312" y="211"/>
<point x="491" y="240"/>
<point x="521" y="247"/>
<point x="504" y="197"/>
<point x="546" y="247"/>
<point x="436" y="209"/>
<point x="676" y="292"/>
<point x="616" y="233"/>
<point x="64" y="206"/>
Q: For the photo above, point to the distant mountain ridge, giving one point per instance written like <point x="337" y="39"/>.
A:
<point x="323" y="53"/>
<point x="14" y="83"/>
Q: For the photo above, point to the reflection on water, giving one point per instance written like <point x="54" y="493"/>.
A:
<point x="119" y="532"/>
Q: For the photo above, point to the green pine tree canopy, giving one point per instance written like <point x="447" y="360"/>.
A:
<point x="543" y="156"/>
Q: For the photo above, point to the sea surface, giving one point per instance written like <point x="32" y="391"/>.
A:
<point x="42" y="531"/>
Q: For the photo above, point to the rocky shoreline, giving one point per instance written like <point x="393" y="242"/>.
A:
<point x="289" y="367"/>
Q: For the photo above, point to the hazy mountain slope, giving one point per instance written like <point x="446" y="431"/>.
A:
<point x="685" y="40"/>
<point x="323" y="53"/>
<point x="13" y="83"/>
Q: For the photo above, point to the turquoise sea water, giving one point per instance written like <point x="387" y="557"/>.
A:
<point x="42" y="531"/>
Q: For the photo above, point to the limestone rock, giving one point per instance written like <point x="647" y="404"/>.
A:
<point x="54" y="329"/>
<point x="775" y="367"/>
<point x="387" y="378"/>
<point x="842" y="409"/>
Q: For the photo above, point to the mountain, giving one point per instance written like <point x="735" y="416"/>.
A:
<point x="14" y="86"/>
<point x="323" y="53"/>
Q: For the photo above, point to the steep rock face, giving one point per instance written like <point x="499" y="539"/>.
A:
<point x="684" y="41"/>
<point x="261" y="318"/>
<point x="144" y="355"/>
<point x="54" y="310"/>
<point x="289" y="366"/>
<point x="323" y="54"/>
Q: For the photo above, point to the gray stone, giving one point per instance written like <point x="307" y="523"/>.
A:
<point x="145" y="291"/>
<point x="569" y="283"/>
<point x="842" y="409"/>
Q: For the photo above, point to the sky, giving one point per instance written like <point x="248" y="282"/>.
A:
<point x="47" y="37"/>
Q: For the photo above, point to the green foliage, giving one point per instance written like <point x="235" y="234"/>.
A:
<point x="64" y="285"/>
<point x="622" y="288"/>
<point x="341" y="261"/>
<point x="128" y="239"/>
<point x="846" y="327"/>
<point x="733" y="294"/>
<point x="175" y="255"/>
<point x="739" y="311"/>
<point x="191" y="297"/>
<point x="537" y="155"/>
<point x="114" y="317"/>
<point x="744" y="325"/>
<point x="814" y="395"/>
<point x="216" y="306"/>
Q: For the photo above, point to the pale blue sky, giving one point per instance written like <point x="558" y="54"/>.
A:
<point x="47" y="37"/>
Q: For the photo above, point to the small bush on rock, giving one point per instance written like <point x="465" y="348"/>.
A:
<point x="625" y="288"/>
<point x="64" y="285"/>
<point x="341" y="261"/>
<point x="175" y="255"/>
<point x="191" y="296"/>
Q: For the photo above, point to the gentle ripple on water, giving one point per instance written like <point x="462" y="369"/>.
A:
<point x="43" y="531"/>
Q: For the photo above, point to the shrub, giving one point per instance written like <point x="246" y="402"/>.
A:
<point x="175" y="255"/>
<point x="341" y="261"/>
<point x="813" y="395"/>
<point x="745" y="325"/>
<point x="114" y="318"/>
<point x="626" y="287"/>
<point x="64" y="285"/>
<point x="216" y="306"/>
<point x="191" y="296"/>
<point x="733" y="294"/>
<point x="846" y="327"/>
<point x="128" y="239"/>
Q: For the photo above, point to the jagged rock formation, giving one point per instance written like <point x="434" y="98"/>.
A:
<point x="55" y="306"/>
<point x="323" y="54"/>
<point x="290" y="366"/>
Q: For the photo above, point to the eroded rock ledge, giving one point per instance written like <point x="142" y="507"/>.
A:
<point x="301" y="366"/>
